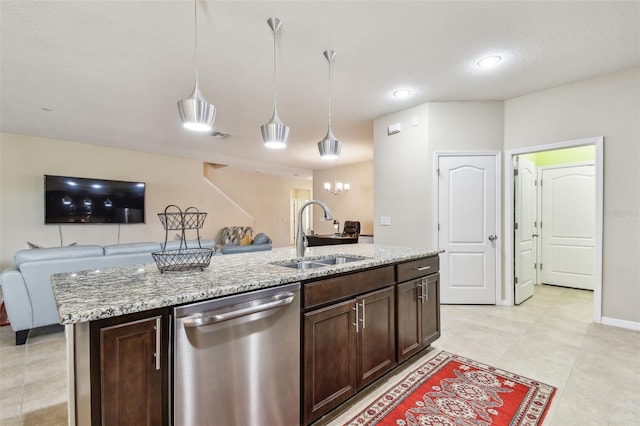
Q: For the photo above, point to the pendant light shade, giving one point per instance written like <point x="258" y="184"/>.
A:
<point x="329" y="147"/>
<point x="275" y="133"/>
<point x="195" y="112"/>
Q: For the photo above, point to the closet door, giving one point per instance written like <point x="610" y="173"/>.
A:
<point x="568" y="226"/>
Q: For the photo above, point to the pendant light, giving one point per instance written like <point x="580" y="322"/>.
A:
<point x="329" y="147"/>
<point x="195" y="112"/>
<point x="275" y="133"/>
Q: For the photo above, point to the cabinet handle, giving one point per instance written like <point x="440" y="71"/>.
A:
<point x="422" y="268"/>
<point x="423" y="292"/>
<point x="158" y="338"/>
<point x="363" y="315"/>
<point x="356" y="323"/>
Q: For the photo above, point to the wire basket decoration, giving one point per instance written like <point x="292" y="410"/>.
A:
<point x="184" y="258"/>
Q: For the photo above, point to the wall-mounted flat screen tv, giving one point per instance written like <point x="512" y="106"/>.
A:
<point x="84" y="200"/>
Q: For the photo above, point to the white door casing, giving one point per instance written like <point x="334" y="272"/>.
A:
<point x="568" y="226"/>
<point x="468" y="197"/>
<point x="525" y="229"/>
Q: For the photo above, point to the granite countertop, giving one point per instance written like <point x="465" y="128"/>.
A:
<point x="91" y="295"/>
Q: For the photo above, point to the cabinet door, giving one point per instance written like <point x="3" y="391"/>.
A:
<point x="329" y="358"/>
<point x="376" y="335"/>
<point x="430" y="311"/>
<point x="131" y="377"/>
<point x="409" y="307"/>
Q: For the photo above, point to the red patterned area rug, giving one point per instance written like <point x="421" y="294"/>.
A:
<point x="451" y="390"/>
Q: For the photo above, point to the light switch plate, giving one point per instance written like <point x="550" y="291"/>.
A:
<point x="385" y="220"/>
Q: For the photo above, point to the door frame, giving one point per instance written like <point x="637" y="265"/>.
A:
<point x="436" y="208"/>
<point x="598" y="143"/>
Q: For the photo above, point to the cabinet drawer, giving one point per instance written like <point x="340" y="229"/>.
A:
<point x="321" y="292"/>
<point x="417" y="268"/>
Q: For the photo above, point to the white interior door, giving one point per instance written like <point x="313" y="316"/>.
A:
<point x="568" y="226"/>
<point x="525" y="231"/>
<point x="467" y="221"/>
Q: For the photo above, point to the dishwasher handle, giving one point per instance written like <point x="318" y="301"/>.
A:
<point x="207" y="318"/>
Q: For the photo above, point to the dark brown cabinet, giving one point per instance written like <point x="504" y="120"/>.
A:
<point x="347" y="344"/>
<point x="129" y="356"/>
<point x="376" y="335"/>
<point x="418" y="302"/>
<point x="330" y="371"/>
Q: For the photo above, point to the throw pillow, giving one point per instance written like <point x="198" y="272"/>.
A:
<point x="246" y="240"/>
<point x="262" y="238"/>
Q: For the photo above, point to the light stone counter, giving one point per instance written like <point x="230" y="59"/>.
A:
<point x="91" y="295"/>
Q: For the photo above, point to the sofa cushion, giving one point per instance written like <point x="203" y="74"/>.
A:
<point x="261" y="238"/>
<point x="24" y="256"/>
<point x="131" y="248"/>
<point x="37" y="281"/>
<point x="175" y="245"/>
<point x="236" y="248"/>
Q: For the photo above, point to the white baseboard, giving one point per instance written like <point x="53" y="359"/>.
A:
<point x="631" y="325"/>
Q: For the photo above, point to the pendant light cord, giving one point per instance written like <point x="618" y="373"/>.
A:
<point x="329" y="88"/>
<point x="195" y="21"/>
<point x="274" y="71"/>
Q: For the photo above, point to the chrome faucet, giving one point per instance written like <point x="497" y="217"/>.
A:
<point x="301" y="238"/>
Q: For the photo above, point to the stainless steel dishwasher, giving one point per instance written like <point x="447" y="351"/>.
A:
<point x="237" y="360"/>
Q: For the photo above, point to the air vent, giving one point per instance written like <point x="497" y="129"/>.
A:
<point x="220" y="135"/>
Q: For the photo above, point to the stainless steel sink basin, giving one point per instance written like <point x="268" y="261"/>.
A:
<point x="339" y="260"/>
<point x="319" y="262"/>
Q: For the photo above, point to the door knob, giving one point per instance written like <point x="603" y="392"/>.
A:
<point x="535" y="235"/>
<point x="493" y="237"/>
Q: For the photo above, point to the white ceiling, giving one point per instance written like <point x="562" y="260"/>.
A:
<point x="112" y="71"/>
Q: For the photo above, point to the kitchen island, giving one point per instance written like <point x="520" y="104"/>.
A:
<point x="89" y="301"/>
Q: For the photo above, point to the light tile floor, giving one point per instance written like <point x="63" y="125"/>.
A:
<point x="550" y="338"/>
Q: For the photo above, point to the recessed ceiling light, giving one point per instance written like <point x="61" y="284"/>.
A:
<point x="489" y="61"/>
<point x="401" y="93"/>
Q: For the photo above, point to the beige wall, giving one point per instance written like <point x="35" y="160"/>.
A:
<point x="606" y="106"/>
<point x="259" y="200"/>
<point x="356" y="204"/>
<point x="170" y="180"/>
<point x="404" y="162"/>
<point x="401" y="166"/>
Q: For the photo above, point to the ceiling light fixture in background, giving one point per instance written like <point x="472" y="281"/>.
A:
<point x="489" y="61"/>
<point x="275" y="133"/>
<point x="329" y="147"/>
<point x="338" y="187"/>
<point x="401" y="93"/>
<point x="195" y="112"/>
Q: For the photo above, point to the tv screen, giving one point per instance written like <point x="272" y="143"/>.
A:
<point x="84" y="200"/>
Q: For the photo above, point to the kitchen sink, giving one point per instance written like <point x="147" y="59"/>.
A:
<point x="337" y="260"/>
<point x="319" y="262"/>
